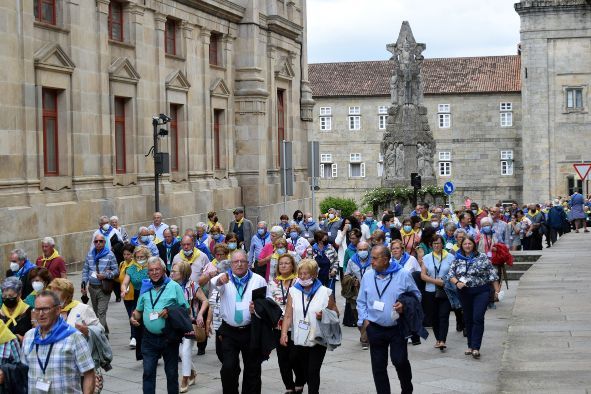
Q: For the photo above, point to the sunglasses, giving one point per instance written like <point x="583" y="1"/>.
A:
<point x="99" y="241"/>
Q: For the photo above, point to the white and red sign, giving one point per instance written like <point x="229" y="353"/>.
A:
<point x="582" y="170"/>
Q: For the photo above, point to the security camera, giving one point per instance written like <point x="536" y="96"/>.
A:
<point x="165" y="118"/>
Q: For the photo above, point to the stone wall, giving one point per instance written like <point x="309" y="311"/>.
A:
<point x="475" y="140"/>
<point x="261" y="52"/>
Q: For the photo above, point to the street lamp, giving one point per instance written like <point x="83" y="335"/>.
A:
<point x="161" y="161"/>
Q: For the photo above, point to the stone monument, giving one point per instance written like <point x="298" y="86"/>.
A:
<point x="408" y="145"/>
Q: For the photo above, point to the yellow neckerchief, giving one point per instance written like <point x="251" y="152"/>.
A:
<point x="214" y="262"/>
<point x="478" y="212"/>
<point x="53" y="256"/>
<point x="210" y="224"/>
<point x="239" y="223"/>
<point x="156" y="240"/>
<point x="336" y="219"/>
<point x="443" y="254"/>
<point x="70" y="306"/>
<point x="20" y="308"/>
<point x="194" y="256"/>
<point x="530" y="215"/>
<point x="5" y="334"/>
<point x="455" y="248"/>
<point x="125" y="265"/>
<point x="405" y="234"/>
<point x="426" y="219"/>
<point x="33" y="293"/>
<point x="284" y="278"/>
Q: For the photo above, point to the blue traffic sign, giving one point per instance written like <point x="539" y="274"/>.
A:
<point x="449" y="188"/>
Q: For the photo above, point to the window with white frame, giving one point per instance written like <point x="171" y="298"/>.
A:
<point x="574" y="98"/>
<point x="380" y="165"/>
<point x="445" y="163"/>
<point x="354" y="118"/>
<point x="444" y="116"/>
<point x="382" y="117"/>
<point x="328" y="169"/>
<point x="506" y="162"/>
<point x="325" y="118"/>
<point x="356" y="167"/>
<point x="506" y="113"/>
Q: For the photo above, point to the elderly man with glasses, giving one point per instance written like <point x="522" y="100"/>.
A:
<point x="98" y="272"/>
<point x="56" y="353"/>
<point x="235" y="288"/>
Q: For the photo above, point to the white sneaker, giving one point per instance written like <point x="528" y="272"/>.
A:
<point x="132" y="343"/>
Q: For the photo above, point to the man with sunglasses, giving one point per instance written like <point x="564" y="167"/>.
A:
<point x="100" y="265"/>
<point x="56" y="353"/>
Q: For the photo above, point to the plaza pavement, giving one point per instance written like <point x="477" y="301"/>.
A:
<point x="345" y="370"/>
<point x="548" y="346"/>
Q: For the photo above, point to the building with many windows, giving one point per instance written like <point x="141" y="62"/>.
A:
<point x="474" y="110"/>
<point x="82" y="79"/>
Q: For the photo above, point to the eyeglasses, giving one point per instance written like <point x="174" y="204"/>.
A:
<point x="99" y="241"/>
<point x="238" y="262"/>
<point x="44" y="310"/>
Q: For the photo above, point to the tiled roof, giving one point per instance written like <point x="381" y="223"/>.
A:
<point x="486" y="74"/>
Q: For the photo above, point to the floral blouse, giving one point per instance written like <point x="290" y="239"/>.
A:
<point x="475" y="271"/>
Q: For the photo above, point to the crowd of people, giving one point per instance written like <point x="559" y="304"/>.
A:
<point x="255" y="288"/>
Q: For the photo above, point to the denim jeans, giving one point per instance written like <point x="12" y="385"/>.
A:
<point x="154" y="346"/>
<point x="474" y="302"/>
<point x="129" y="307"/>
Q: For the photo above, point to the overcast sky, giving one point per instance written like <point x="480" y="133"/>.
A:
<point x="351" y="30"/>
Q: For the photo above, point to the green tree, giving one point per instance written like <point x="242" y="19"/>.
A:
<point x="346" y="205"/>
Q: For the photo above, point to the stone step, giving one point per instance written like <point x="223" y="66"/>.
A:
<point x="519" y="266"/>
<point x="526" y="255"/>
<point x="514" y="275"/>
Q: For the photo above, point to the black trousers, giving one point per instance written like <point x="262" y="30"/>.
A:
<point x="438" y="311"/>
<point x="284" y="360"/>
<point x="235" y="341"/>
<point x="306" y="362"/>
<point x="380" y="338"/>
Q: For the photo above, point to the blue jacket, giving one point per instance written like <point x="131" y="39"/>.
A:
<point x="556" y="216"/>
<point x="411" y="319"/>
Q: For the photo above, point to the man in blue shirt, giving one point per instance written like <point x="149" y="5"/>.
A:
<point x="378" y="309"/>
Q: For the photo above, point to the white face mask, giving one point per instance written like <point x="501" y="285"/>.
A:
<point x="105" y="227"/>
<point x="141" y="262"/>
<point x="306" y="282"/>
<point x="14" y="267"/>
<point x="38" y="286"/>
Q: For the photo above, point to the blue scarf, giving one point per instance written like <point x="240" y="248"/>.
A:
<point x="240" y="282"/>
<point x="308" y="225"/>
<point x="317" y="250"/>
<point x="355" y="258"/>
<point x="135" y="241"/>
<point x="174" y="241"/>
<point x="105" y="233"/>
<point x="59" y="331"/>
<point x="403" y="259"/>
<point x="315" y="286"/>
<point x="201" y="241"/>
<point x="467" y="259"/>
<point x="393" y="268"/>
<point x="147" y="284"/>
<point x="352" y="248"/>
<point x="100" y="255"/>
<point x="24" y="271"/>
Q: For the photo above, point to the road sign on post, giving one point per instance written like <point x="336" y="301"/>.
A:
<point x="449" y="188"/>
<point x="582" y="170"/>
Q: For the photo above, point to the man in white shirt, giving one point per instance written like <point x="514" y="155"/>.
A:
<point x="158" y="226"/>
<point x="235" y="288"/>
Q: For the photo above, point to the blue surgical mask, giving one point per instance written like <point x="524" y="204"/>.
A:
<point x="293" y="235"/>
<point x="475" y="212"/>
<point x="369" y="220"/>
<point x="281" y="251"/>
<point x="392" y="225"/>
<point x="232" y="245"/>
<point x="145" y="239"/>
<point x="363" y="254"/>
<point x="435" y="224"/>
<point x="487" y="229"/>
<point x="216" y="236"/>
<point x="407" y="229"/>
<point x="261" y="231"/>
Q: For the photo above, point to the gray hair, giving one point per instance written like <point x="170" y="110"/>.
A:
<point x="113" y="218"/>
<point x="487" y="220"/>
<point x="451" y="226"/>
<point x="174" y="227"/>
<point x="20" y="254"/>
<point x="48" y="241"/>
<point x="237" y="252"/>
<point x="460" y="231"/>
<point x="104" y="217"/>
<point x="201" y="225"/>
<point x="277" y="230"/>
<point x="143" y="228"/>
<point x="263" y="223"/>
<point x="156" y="260"/>
<point x="52" y="295"/>
<point x="12" y="283"/>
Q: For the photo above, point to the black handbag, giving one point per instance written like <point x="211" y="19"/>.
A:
<point x="440" y="293"/>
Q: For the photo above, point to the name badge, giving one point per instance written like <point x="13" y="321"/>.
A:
<point x="153" y="316"/>
<point x="303" y="325"/>
<point x="43" y="385"/>
<point x="306" y="235"/>
<point x="378" y="306"/>
<point x="242" y="306"/>
<point x="93" y="275"/>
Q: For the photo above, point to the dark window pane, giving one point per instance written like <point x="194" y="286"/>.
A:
<point x="50" y="145"/>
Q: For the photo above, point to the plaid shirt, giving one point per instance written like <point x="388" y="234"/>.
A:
<point x="10" y="352"/>
<point x="69" y="359"/>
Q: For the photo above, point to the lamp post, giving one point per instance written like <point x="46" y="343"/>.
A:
<point x="160" y="159"/>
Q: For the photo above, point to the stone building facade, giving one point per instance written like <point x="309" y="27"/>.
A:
<point x="474" y="111"/>
<point x="556" y="75"/>
<point x="81" y="81"/>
